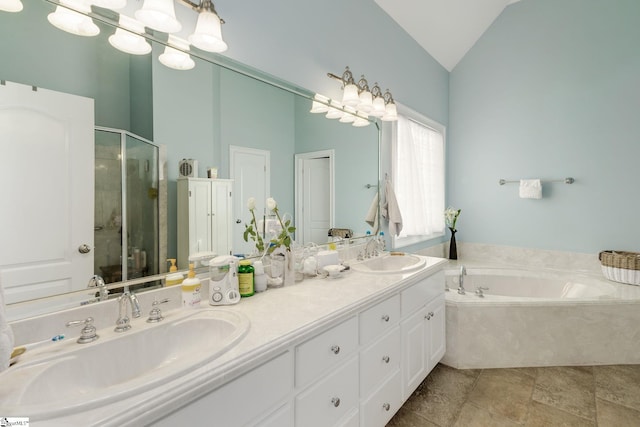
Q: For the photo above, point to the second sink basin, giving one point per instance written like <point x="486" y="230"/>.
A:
<point x="115" y="366"/>
<point x="390" y="264"/>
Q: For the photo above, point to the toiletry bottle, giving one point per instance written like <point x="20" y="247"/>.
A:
<point x="173" y="278"/>
<point x="259" y="277"/>
<point x="191" y="290"/>
<point x="245" y="278"/>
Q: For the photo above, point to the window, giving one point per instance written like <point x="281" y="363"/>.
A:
<point x="418" y="177"/>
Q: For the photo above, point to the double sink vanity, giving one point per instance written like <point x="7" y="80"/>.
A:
<point x="344" y="351"/>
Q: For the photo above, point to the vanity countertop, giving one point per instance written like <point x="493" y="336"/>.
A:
<point x="280" y="318"/>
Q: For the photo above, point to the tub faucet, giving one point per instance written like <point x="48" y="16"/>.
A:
<point x="463" y="272"/>
<point x="123" y="324"/>
<point x="98" y="282"/>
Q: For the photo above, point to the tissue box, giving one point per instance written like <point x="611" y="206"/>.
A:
<point x="327" y="258"/>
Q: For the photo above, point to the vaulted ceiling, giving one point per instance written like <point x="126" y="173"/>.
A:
<point x="446" y="29"/>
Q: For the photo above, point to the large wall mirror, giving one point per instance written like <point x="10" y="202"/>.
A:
<point x="203" y="114"/>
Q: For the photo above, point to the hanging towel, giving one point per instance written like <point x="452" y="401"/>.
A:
<point x="372" y="215"/>
<point x="530" y="189"/>
<point x="391" y="210"/>
<point x="6" y="336"/>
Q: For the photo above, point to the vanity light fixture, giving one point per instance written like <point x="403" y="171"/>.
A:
<point x="335" y="110"/>
<point x="67" y="18"/>
<point x="127" y="38"/>
<point x="175" y="57"/>
<point x="159" y="15"/>
<point x="319" y="104"/>
<point x="208" y="33"/>
<point x="391" y="111"/>
<point x="11" y="5"/>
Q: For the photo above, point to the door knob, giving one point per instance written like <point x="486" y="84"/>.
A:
<point x="84" y="249"/>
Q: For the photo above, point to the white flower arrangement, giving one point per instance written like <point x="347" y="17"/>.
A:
<point x="451" y="217"/>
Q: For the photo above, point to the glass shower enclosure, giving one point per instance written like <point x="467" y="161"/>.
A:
<point x="128" y="239"/>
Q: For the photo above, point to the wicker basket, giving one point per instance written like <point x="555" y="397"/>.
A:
<point x="619" y="266"/>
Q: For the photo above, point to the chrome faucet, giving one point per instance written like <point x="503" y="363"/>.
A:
<point x="98" y="282"/>
<point x="123" y="323"/>
<point x="463" y="272"/>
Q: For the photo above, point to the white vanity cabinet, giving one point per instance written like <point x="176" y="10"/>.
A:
<point x="380" y="356"/>
<point x="422" y="330"/>
<point x="204" y="217"/>
<point x="257" y="398"/>
<point x="327" y="377"/>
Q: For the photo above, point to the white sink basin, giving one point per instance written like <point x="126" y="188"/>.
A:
<point x="74" y="377"/>
<point x="391" y="264"/>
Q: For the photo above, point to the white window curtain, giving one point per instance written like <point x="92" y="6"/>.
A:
<point x="419" y="179"/>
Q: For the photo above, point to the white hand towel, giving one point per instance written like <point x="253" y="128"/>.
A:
<point x="372" y="215"/>
<point x="391" y="210"/>
<point x="530" y="189"/>
<point x="6" y="336"/>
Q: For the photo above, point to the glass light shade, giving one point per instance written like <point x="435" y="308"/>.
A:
<point x="319" y="104"/>
<point x="366" y="102"/>
<point x="350" y="95"/>
<point x="174" y="58"/>
<point x="335" y="111"/>
<point x="11" y="5"/>
<point x="159" y="15"/>
<point x="391" y="114"/>
<point x="208" y="33"/>
<point x="349" y="115"/>
<point x="379" y="108"/>
<point x="66" y="19"/>
<point x="361" y="121"/>
<point x="110" y="4"/>
<point x="128" y="39"/>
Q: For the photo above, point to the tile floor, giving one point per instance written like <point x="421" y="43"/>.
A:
<point x="602" y="396"/>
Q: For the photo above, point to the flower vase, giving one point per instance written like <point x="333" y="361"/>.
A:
<point x="453" y="248"/>
<point x="289" y="268"/>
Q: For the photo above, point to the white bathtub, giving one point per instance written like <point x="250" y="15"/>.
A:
<point x="540" y="318"/>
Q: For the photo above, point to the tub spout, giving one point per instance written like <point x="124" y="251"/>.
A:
<point x="463" y="272"/>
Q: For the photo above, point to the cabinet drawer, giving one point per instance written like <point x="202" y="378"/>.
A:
<point x="328" y="402"/>
<point x="282" y="417"/>
<point x="379" y="360"/>
<point x="378" y="319"/>
<point x="383" y="404"/>
<point x="421" y="293"/>
<point x="325" y="350"/>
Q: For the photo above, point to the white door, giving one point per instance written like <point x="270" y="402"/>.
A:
<point x="314" y="196"/>
<point x="250" y="171"/>
<point x="47" y="168"/>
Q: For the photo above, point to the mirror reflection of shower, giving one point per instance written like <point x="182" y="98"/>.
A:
<point x="127" y="242"/>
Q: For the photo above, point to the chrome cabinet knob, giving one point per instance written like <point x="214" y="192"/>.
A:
<point x="238" y="221"/>
<point x="335" y="349"/>
<point x="386" y="406"/>
<point x="335" y="401"/>
<point x="427" y="316"/>
<point x="386" y="359"/>
<point x="84" y="249"/>
<point x="385" y="317"/>
<point x="431" y="314"/>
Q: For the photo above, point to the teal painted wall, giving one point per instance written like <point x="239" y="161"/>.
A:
<point x="551" y="90"/>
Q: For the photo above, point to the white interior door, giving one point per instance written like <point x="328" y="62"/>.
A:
<point x="250" y="171"/>
<point x="314" y="196"/>
<point x="47" y="168"/>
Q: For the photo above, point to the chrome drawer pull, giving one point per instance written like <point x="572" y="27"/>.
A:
<point x="385" y="317"/>
<point x="431" y="314"/>
<point x="386" y="406"/>
<point x="335" y="349"/>
<point x="386" y="359"/>
<point x="428" y="317"/>
<point x="336" y="401"/>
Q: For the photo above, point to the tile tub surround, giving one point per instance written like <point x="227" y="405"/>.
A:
<point x="499" y="332"/>
<point x="280" y="319"/>
<point x="552" y="396"/>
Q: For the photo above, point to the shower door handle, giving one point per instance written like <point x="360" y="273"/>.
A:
<point x="84" y="249"/>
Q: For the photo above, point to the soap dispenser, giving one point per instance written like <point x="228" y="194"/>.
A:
<point x="173" y="278"/>
<point x="191" y="289"/>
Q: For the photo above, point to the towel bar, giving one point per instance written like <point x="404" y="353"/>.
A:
<point x="566" y="181"/>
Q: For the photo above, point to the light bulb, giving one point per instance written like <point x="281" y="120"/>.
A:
<point x="11" y="5"/>
<point x="159" y="15"/>
<point x="208" y="33"/>
<point x="350" y="95"/>
<point x="174" y="58"/>
<point x="128" y="39"/>
<point x="67" y="17"/>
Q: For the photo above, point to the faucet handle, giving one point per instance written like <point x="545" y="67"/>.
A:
<point x="88" y="333"/>
<point x="155" y="315"/>
<point x="479" y="291"/>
